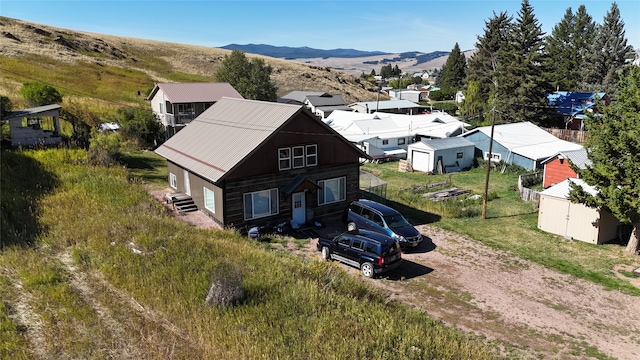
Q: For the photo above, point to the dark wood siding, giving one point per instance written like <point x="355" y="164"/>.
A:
<point x="234" y="190"/>
<point x="302" y="129"/>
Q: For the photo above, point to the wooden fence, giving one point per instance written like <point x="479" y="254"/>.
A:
<point x="525" y="180"/>
<point x="575" y="136"/>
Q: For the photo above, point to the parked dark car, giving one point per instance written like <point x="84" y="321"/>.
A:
<point x="373" y="216"/>
<point x="371" y="252"/>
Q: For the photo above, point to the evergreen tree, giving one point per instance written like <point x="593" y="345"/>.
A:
<point x="483" y="64"/>
<point x="566" y="46"/>
<point x="607" y="55"/>
<point x="521" y="85"/>
<point x="252" y="79"/>
<point x="454" y="70"/>
<point x="613" y="146"/>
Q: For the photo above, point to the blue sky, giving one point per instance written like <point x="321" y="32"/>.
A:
<point x="390" y="26"/>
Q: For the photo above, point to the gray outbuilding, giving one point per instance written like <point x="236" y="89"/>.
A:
<point x="441" y="155"/>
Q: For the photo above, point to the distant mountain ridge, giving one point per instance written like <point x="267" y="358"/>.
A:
<point x="286" y="52"/>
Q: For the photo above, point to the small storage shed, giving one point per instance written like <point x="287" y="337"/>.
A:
<point x="441" y="155"/>
<point x="558" y="215"/>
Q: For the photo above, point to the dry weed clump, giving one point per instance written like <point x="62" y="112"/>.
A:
<point x="226" y="286"/>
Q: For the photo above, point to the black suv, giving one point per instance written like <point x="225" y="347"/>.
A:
<point x="371" y="252"/>
<point x="373" y="216"/>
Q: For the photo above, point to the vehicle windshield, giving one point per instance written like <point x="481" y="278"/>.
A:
<point x="395" y="221"/>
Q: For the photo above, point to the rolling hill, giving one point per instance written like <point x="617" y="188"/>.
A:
<point x="85" y="65"/>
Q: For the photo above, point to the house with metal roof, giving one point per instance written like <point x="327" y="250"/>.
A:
<point x="522" y="143"/>
<point x="384" y="135"/>
<point x="396" y="106"/>
<point x="558" y="215"/>
<point x="177" y="104"/>
<point x="247" y="163"/>
<point x="441" y="156"/>
<point x="560" y="166"/>
<point x="569" y="108"/>
<point x="319" y="103"/>
<point x="35" y="126"/>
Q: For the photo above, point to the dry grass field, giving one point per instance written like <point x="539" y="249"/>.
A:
<point x="160" y="61"/>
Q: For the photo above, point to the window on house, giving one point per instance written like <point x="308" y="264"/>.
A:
<point x="459" y="155"/>
<point x="209" y="200"/>
<point x="494" y="156"/>
<point x="312" y="155"/>
<point x="385" y="142"/>
<point x="401" y="141"/>
<point x="185" y="108"/>
<point x="332" y="190"/>
<point x="298" y="157"/>
<point x="161" y="108"/>
<point x="173" y="180"/>
<point x="284" y="158"/>
<point x="260" y="204"/>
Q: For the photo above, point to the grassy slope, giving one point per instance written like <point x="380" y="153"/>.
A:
<point x="79" y="270"/>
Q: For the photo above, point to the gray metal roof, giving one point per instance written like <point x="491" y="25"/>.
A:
<point x="34" y="111"/>
<point x="222" y="136"/>
<point x="326" y="100"/>
<point x="195" y="92"/>
<point x="447" y="143"/>
<point x="561" y="190"/>
<point x="576" y="157"/>
<point x="300" y="96"/>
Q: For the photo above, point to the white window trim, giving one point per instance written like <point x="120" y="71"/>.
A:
<point x="314" y="156"/>
<point x="206" y="191"/>
<point x="280" y="159"/>
<point x="300" y="157"/>
<point x="342" y="195"/>
<point x="173" y="181"/>
<point x="271" y="200"/>
<point x="494" y="156"/>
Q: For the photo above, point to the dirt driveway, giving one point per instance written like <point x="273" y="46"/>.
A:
<point x="539" y="312"/>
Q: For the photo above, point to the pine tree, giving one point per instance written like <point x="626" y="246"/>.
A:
<point x="483" y="64"/>
<point x="522" y="87"/>
<point x="613" y="146"/>
<point x="607" y="55"/>
<point x="570" y="39"/>
<point x="453" y="71"/>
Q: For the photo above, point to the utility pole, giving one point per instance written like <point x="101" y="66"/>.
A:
<point x="486" y="182"/>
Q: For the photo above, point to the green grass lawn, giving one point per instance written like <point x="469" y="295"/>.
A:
<point x="510" y="224"/>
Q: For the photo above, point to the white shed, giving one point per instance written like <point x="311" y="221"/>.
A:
<point x="558" y="215"/>
<point x="441" y="155"/>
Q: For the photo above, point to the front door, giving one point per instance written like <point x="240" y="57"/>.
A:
<point x="187" y="184"/>
<point x="299" y="208"/>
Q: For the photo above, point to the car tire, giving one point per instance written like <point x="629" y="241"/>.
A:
<point x="367" y="269"/>
<point x="351" y="226"/>
<point x="326" y="253"/>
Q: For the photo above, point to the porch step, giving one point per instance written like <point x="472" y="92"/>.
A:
<point x="181" y="202"/>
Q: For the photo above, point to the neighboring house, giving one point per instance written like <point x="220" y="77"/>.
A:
<point x="522" y="143"/>
<point x="177" y="104"/>
<point x="247" y="162"/>
<point x="387" y="106"/>
<point x="557" y="168"/>
<point x="383" y="135"/>
<point x="35" y="126"/>
<point x="459" y="98"/>
<point x="319" y="103"/>
<point x="323" y="105"/>
<point x="569" y="109"/>
<point x="441" y="156"/>
<point x="414" y="96"/>
<point x="560" y="216"/>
